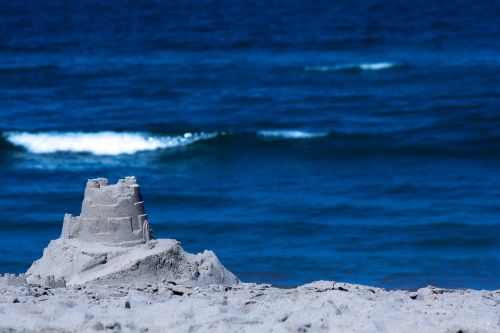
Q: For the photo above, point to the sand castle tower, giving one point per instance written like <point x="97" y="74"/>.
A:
<point x="111" y="214"/>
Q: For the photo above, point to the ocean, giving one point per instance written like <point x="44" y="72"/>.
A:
<point x="300" y="141"/>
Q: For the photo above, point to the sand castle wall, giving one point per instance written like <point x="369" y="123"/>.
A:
<point x="111" y="214"/>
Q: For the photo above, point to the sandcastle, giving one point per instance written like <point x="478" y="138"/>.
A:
<point x="111" y="242"/>
<point x="111" y="214"/>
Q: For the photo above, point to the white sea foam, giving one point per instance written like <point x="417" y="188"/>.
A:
<point x="291" y="134"/>
<point x="375" y="66"/>
<point x="100" y="143"/>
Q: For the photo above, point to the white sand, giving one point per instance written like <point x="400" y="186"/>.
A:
<point x="317" y="307"/>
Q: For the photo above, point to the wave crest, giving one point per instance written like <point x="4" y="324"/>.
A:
<point x="375" y="66"/>
<point x="100" y="143"/>
<point x="291" y="134"/>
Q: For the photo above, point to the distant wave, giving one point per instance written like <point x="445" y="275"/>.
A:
<point x="120" y="143"/>
<point x="100" y="143"/>
<point x="375" y="66"/>
<point x="117" y="143"/>
<point x="291" y="134"/>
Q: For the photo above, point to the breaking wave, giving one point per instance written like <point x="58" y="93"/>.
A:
<point x="100" y="143"/>
<point x="375" y="66"/>
<point x="291" y="134"/>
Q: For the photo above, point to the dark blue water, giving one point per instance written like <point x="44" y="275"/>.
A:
<point x="351" y="141"/>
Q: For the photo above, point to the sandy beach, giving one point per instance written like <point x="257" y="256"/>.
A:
<point x="322" y="306"/>
<point x="107" y="272"/>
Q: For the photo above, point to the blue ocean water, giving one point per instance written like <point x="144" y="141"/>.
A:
<point x="348" y="141"/>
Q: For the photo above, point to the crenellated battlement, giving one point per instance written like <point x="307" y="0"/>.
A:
<point x="12" y="280"/>
<point x="110" y="214"/>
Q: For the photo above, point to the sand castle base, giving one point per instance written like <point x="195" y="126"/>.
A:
<point x="157" y="261"/>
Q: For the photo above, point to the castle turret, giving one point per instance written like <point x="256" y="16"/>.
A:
<point x="111" y="214"/>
